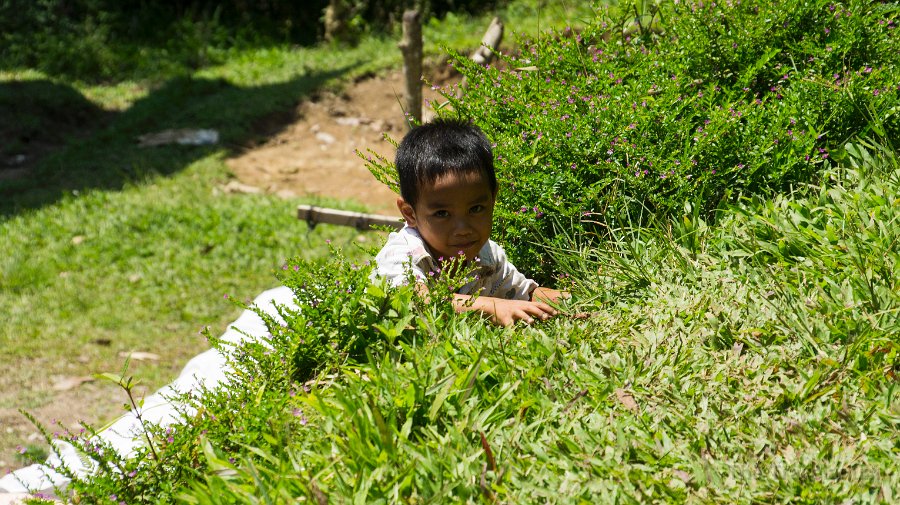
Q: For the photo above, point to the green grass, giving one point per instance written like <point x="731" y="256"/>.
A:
<point x="751" y="361"/>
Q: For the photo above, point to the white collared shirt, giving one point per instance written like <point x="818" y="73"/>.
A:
<point x="495" y="276"/>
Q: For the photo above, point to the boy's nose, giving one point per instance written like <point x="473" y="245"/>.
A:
<point x="462" y="227"/>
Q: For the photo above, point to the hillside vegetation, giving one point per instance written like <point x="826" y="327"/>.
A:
<point x="717" y="186"/>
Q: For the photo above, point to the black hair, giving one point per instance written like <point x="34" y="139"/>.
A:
<point x="439" y="148"/>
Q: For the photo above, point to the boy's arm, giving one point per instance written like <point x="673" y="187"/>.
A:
<point x="505" y="312"/>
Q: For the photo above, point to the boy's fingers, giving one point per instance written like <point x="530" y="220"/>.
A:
<point x="544" y="308"/>
<point x="541" y="311"/>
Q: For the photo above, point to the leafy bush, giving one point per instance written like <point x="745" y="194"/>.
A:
<point x="699" y="103"/>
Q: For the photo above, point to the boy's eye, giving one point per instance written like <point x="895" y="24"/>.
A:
<point x="476" y="209"/>
<point x="441" y="213"/>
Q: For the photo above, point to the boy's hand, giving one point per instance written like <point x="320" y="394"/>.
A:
<point x="549" y="295"/>
<point x="507" y="312"/>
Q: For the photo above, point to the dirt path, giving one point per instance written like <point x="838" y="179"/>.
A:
<point x="316" y="156"/>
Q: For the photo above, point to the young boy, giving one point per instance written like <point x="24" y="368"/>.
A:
<point x="448" y="189"/>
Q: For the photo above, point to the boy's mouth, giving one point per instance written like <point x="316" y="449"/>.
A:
<point x="464" y="246"/>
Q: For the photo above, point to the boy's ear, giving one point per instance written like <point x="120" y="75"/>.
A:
<point x="408" y="212"/>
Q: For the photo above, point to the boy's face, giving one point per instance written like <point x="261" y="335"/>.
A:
<point x="454" y="214"/>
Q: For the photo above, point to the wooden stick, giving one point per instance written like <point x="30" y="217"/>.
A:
<point x="411" y="47"/>
<point x="490" y="41"/>
<point x="361" y="221"/>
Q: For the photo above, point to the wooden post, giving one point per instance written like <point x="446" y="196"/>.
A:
<point x="411" y="47"/>
<point x="335" y="24"/>
<point x="485" y="52"/>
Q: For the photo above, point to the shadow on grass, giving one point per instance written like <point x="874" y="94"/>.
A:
<point x="73" y="145"/>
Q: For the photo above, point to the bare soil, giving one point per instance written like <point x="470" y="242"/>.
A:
<point x="314" y="156"/>
<point x="317" y="155"/>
